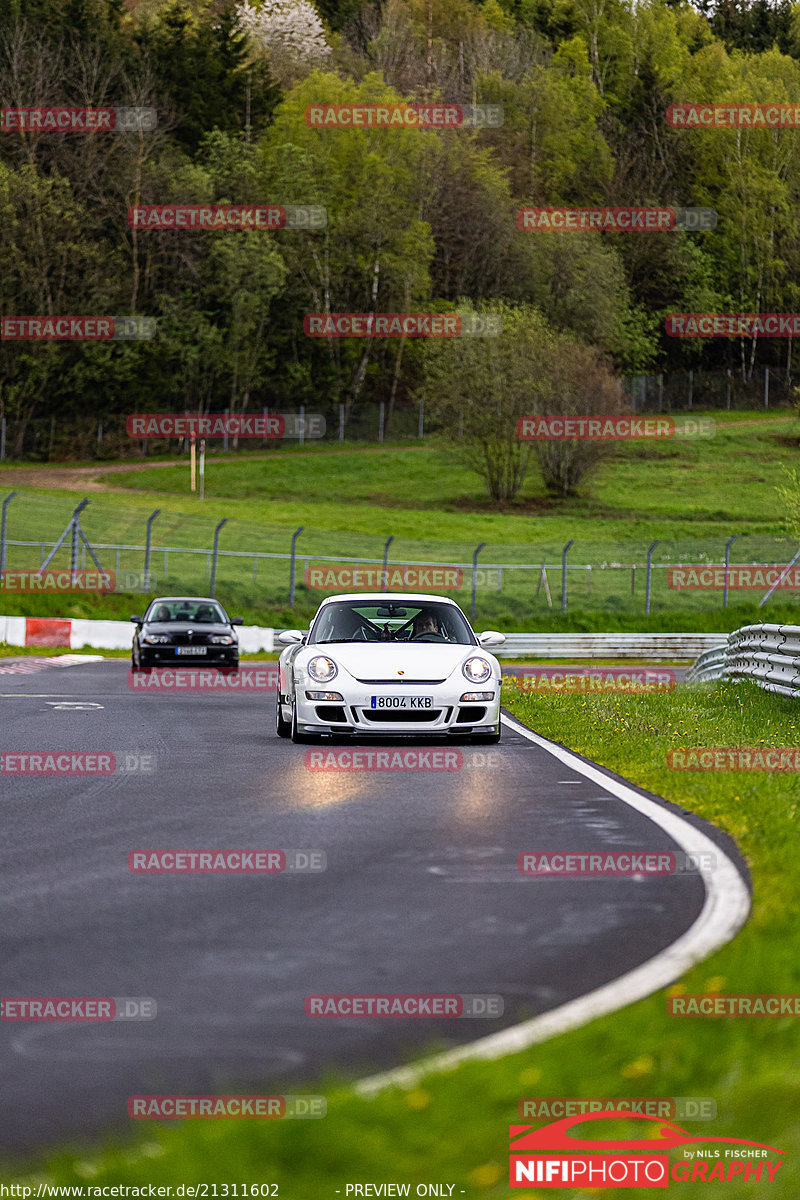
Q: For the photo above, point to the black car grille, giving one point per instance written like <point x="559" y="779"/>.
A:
<point x="470" y="715"/>
<point x="197" y="639"/>
<point x="408" y="717"/>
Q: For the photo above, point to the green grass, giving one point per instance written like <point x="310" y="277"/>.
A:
<point x="453" y="1127"/>
<point x="691" y="496"/>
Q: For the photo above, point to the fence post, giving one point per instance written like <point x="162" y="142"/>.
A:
<point x="478" y="549"/>
<point x="302" y="424"/>
<point x="421" y="421"/>
<point x="295" y="536"/>
<point x="147" y="547"/>
<point x="649" y="574"/>
<point x="779" y="580"/>
<point x="728" y="545"/>
<point x="6" y="503"/>
<point x="341" y="422"/>
<point x="564" y="552"/>
<point x="766" y="387"/>
<point x="385" y="576"/>
<point x="217" y="531"/>
<point x="661" y="392"/>
<point x="381" y="408"/>
<point x="73" y="557"/>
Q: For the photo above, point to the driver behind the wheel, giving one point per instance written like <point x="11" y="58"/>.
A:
<point x="425" y="622"/>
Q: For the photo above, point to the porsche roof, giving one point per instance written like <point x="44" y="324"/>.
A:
<point x="389" y="597"/>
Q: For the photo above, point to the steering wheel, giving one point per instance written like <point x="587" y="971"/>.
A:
<point x="428" y="636"/>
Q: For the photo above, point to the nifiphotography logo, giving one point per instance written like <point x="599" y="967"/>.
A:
<point x="551" y="1156"/>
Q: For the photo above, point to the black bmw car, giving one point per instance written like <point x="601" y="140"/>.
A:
<point x="185" y="629"/>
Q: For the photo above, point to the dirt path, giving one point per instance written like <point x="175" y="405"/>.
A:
<point x="90" y="479"/>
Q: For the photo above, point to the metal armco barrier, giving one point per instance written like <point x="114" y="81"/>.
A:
<point x="769" y="655"/>
<point x="654" y="646"/>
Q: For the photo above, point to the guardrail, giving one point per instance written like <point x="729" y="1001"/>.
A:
<point x="655" y="646"/>
<point x="769" y="655"/>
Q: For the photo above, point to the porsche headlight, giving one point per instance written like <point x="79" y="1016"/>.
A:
<point x="477" y="670"/>
<point x="322" y="669"/>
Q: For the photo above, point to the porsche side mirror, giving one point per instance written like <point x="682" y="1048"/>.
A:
<point x="491" y="638"/>
<point x="290" y="637"/>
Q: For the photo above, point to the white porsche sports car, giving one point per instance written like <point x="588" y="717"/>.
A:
<point x="388" y="664"/>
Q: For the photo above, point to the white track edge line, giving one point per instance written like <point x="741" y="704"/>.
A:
<point x="725" y="910"/>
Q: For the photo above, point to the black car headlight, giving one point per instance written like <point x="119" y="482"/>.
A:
<point x="156" y="639"/>
<point x="222" y="639"/>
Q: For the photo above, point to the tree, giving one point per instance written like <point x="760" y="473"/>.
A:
<point x="477" y="388"/>
<point x="290" y="32"/>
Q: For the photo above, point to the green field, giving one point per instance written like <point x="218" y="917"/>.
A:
<point x="454" y="1125"/>
<point x="691" y="496"/>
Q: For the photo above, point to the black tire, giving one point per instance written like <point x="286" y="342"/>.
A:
<point x="282" y="728"/>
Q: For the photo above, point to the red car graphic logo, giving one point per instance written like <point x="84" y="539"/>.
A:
<point x="555" y="1136"/>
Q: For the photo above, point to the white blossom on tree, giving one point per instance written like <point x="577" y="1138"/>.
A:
<point x="290" y="31"/>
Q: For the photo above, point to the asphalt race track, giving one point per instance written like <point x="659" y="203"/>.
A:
<point x="421" y="894"/>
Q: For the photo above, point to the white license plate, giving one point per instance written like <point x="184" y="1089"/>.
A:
<point x="190" y="649"/>
<point x="411" y="702"/>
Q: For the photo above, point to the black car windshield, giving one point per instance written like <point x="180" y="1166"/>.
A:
<point x="391" y="621"/>
<point x="197" y="612"/>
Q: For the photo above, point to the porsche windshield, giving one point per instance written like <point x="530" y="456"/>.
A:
<point x="384" y="621"/>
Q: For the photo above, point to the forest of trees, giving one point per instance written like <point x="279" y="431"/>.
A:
<point x="416" y="220"/>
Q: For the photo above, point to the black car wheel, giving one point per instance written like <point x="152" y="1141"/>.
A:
<point x="282" y="728"/>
